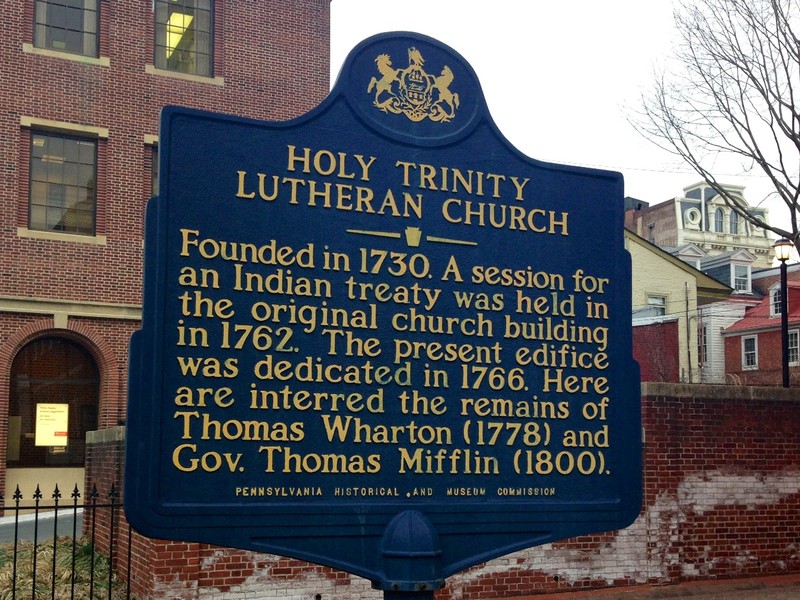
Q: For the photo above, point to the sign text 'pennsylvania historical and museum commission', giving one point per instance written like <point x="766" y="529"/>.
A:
<point x="379" y="333"/>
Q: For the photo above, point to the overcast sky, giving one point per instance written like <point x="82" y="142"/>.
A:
<point x="559" y="77"/>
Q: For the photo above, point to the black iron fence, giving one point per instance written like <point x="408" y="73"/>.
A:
<point x="64" y="548"/>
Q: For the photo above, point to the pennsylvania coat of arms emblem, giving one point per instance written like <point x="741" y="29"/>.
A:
<point x="412" y="91"/>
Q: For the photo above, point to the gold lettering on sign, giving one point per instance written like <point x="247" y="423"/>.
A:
<point x="367" y="363"/>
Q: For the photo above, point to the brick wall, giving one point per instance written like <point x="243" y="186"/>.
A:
<point x="271" y="62"/>
<point x="721" y="500"/>
<point x="656" y="347"/>
<point x="664" y="230"/>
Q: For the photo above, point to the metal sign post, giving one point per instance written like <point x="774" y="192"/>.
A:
<point x="378" y="337"/>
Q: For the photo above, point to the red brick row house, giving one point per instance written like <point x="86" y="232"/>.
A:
<point x="753" y="345"/>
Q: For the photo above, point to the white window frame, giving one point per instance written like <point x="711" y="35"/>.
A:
<point x="748" y="286"/>
<point x="775" y="301"/>
<point x="659" y="302"/>
<point x="745" y="353"/>
<point x="794" y="347"/>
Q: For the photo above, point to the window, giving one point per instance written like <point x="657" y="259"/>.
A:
<point x="749" y="352"/>
<point x="67" y="26"/>
<point x="794" y="347"/>
<point x="741" y="278"/>
<point x="719" y="218"/>
<point x="734" y="223"/>
<point x="657" y="305"/>
<point x="184" y="36"/>
<point x="702" y="344"/>
<point x="775" y="301"/>
<point x="62" y="189"/>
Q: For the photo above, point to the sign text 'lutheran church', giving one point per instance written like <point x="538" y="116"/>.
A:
<point x="378" y="337"/>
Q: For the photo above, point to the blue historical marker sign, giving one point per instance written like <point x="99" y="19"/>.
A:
<point x="379" y="337"/>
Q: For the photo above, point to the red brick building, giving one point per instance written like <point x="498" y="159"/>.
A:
<point x="82" y="86"/>
<point x="753" y="345"/>
<point x="656" y="348"/>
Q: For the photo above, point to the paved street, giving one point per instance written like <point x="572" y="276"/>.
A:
<point x="44" y="529"/>
<point x="786" y="587"/>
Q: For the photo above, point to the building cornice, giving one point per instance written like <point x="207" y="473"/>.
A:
<point x="62" y="310"/>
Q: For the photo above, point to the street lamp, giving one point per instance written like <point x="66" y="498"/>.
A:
<point x="783" y="249"/>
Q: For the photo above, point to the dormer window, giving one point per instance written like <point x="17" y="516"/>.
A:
<point x="775" y="301"/>
<point x="741" y="278"/>
<point x="719" y="220"/>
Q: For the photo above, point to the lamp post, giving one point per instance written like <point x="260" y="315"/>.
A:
<point x="782" y="249"/>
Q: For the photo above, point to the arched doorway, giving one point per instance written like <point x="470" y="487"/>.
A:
<point x="54" y="401"/>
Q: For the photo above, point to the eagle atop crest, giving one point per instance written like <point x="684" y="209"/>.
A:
<point x="412" y="91"/>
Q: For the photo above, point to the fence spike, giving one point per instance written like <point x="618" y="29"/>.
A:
<point x="97" y="512"/>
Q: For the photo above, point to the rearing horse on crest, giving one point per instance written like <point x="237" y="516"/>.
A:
<point x="389" y="75"/>
<point x="442" y="85"/>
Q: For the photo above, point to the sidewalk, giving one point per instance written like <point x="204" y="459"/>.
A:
<point x="783" y="587"/>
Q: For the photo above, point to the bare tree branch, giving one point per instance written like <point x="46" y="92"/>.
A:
<point x="731" y="94"/>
